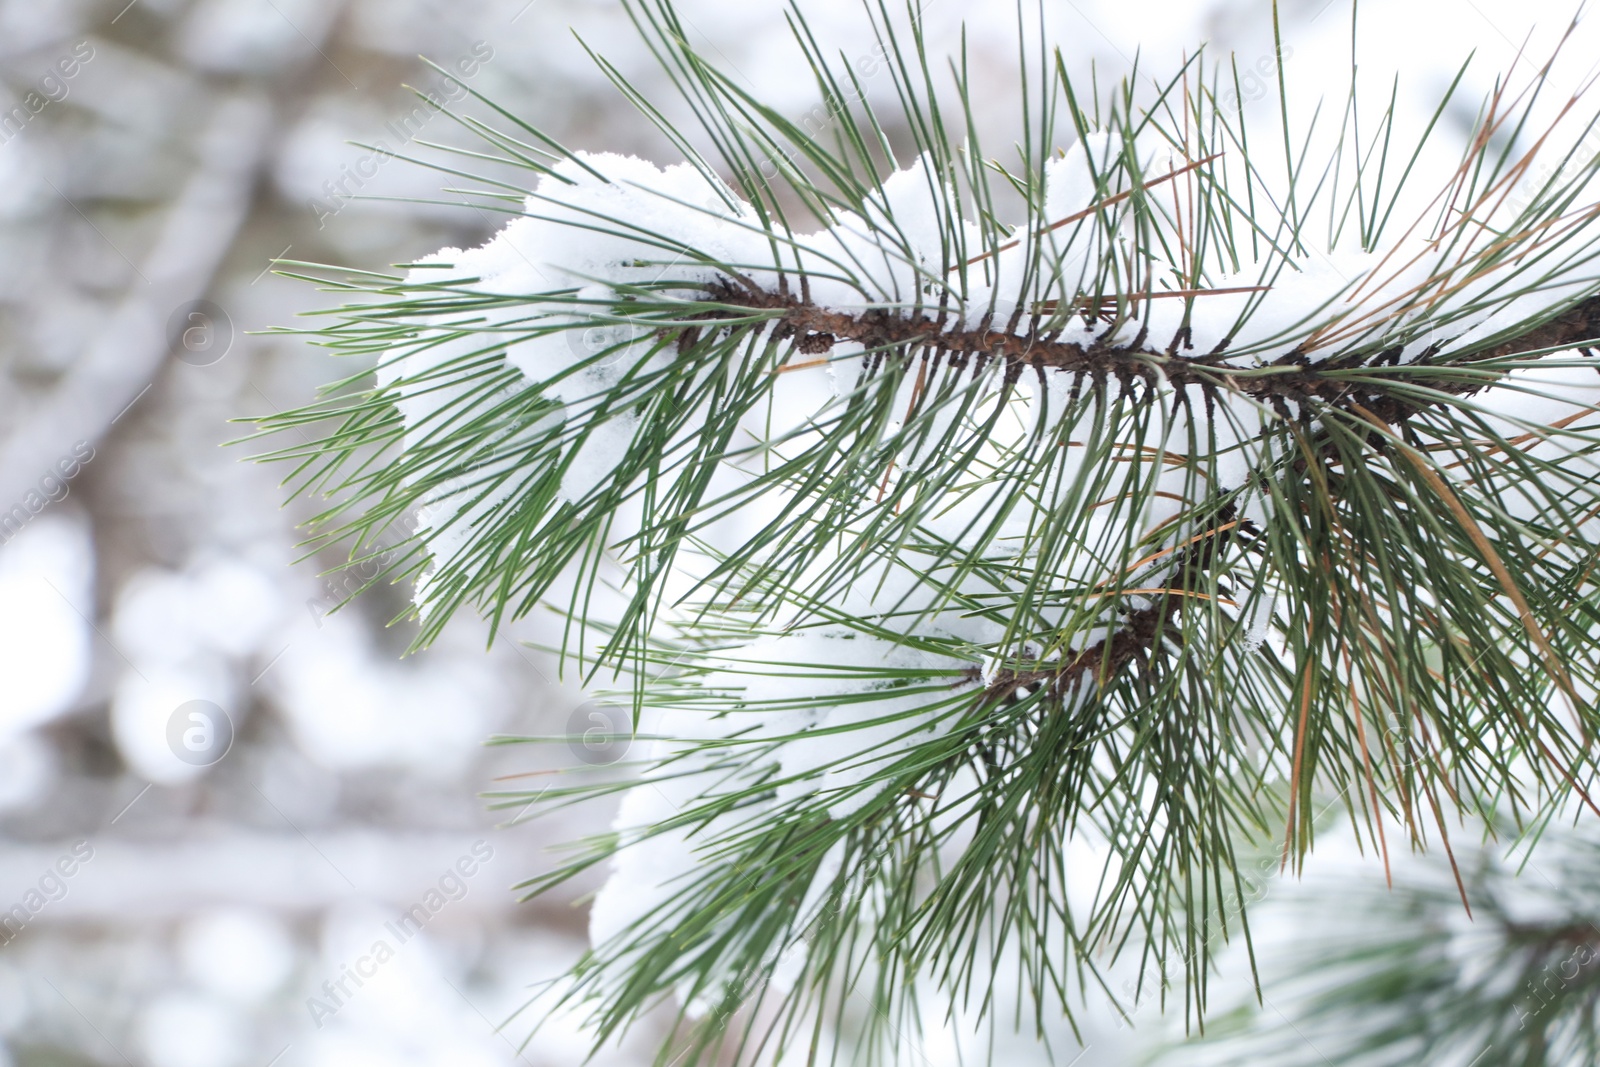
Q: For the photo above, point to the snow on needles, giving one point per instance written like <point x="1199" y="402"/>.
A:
<point x="604" y="228"/>
<point x="604" y="236"/>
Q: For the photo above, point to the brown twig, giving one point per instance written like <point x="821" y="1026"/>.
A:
<point x="1294" y="379"/>
<point x="1140" y="632"/>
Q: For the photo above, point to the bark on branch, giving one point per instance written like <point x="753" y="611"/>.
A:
<point x="1294" y="378"/>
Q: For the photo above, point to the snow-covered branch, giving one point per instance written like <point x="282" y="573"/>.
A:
<point x="856" y="477"/>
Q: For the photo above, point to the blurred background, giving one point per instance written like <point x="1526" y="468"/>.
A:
<point x="216" y="796"/>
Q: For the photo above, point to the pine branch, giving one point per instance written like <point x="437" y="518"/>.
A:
<point x="915" y="335"/>
<point x="932" y="544"/>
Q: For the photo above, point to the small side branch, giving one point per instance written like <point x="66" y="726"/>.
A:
<point x="1140" y="633"/>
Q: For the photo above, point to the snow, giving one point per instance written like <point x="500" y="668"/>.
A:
<point x="647" y="877"/>
<point x="833" y="748"/>
<point x="603" y="225"/>
<point x="828" y="727"/>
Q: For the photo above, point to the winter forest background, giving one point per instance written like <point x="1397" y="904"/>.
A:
<point x="167" y="150"/>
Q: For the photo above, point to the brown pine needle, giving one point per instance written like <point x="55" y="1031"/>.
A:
<point x="1342" y="327"/>
<point x="1047" y="307"/>
<point x="1486" y="548"/>
<point x="1152" y="557"/>
<point x="1444" y="837"/>
<point x="1158" y="493"/>
<point x="1299" y="747"/>
<point x="1497" y="566"/>
<point x="1093" y="208"/>
<point x="1488" y="449"/>
<point x="807" y="365"/>
<point x="1195" y="593"/>
<point x="1361" y="726"/>
<point x="916" y="395"/>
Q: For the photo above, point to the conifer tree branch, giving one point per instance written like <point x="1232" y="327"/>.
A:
<point x="998" y="580"/>
<point x="1291" y="378"/>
